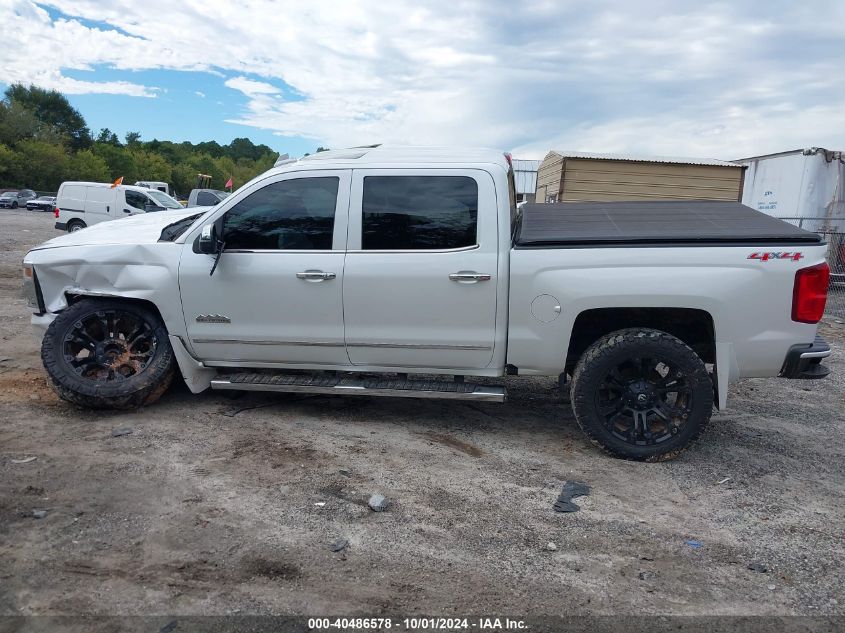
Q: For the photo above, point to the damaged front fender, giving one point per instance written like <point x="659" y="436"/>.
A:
<point x="139" y="271"/>
<point x="146" y="272"/>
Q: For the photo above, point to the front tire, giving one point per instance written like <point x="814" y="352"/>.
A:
<point x="642" y="394"/>
<point x="108" y="354"/>
<point x="14" y="205"/>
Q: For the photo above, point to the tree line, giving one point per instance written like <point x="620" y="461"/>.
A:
<point x="45" y="141"/>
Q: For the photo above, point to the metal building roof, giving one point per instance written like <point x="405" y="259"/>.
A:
<point x="633" y="158"/>
<point x="525" y="175"/>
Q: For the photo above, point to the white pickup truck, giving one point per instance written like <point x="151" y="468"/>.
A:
<point x="405" y="271"/>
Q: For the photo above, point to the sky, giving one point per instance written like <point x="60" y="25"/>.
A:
<point x="657" y="77"/>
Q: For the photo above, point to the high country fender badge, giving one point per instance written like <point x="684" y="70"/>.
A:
<point x="213" y="318"/>
<point x="764" y="257"/>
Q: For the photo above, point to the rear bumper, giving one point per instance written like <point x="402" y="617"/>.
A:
<point x="62" y="226"/>
<point x="804" y="361"/>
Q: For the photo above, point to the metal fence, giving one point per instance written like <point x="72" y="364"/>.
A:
<point x="833" y="232"/>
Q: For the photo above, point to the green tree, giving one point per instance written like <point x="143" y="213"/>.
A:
<point x="244" y="148"/>
<point x="86" y="165"/>
<point x="43" y="140"/>
<point x="183" y="177"/>
<point x="41" y="165"/>
<point x="9" y="166"/>
<point x="53" y="109"/>
<point x="119" y="160"/>
<point x="150" y="166"/>
<point x="107" y="136"/>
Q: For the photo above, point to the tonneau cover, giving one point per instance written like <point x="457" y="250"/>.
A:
<point x="659" y="222"/>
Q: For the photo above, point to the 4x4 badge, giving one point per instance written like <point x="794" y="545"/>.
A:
<point x="764" y="257"/>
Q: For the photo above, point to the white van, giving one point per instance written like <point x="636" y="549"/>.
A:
<point x="81" y="204"/>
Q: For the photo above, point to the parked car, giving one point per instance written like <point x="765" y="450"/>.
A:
<point x="154" y="184"/>
<point x="81" y="204"/>
<point x="206" y="197"/>
<point x="15" y="199"/>
<point x="42" y="203"/>
<point x="351" y="272"/>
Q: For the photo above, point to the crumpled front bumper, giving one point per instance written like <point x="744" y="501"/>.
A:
<point x="804" y="361"/>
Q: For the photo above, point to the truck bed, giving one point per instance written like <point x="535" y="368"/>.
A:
<point x="700" y="222"/>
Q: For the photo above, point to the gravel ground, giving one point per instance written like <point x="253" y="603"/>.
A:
<point x="215" y="506"/>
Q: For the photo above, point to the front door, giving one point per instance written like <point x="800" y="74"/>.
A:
<point x="276" y="295"/>
<point x="421" y="269"/>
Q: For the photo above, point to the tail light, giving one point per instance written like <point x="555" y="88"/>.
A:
<point x="56" y="212"/>
<point x="810" y="293"/>
<point x="509" y="159"/>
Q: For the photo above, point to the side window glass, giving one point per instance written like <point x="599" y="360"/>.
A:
<point x="419" y="212"/>
<point x="136" y="199"/>
<point x="286" y="215"/>
<point x="204" y="198"/>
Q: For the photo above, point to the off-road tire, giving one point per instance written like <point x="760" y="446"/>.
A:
<point x="130" y="393"/>
<point x="605" y="354"/>
<point x="74" y="223"/>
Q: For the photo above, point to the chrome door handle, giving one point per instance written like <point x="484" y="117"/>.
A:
<point x="315" y="275"/>
<point x="469" y="276"/>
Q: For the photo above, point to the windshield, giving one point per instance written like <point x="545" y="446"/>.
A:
<point x="163" y="200"/>
<point x="10" y="194"/>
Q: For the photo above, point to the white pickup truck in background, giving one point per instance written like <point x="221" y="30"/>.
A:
<point x="205" y="197"/>
<point x="404" y="271"/>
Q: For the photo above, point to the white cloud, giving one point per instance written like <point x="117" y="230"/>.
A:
<point x="251" y="88"/>
<point x="689" y="78"/>
<point x="199" y="93"/>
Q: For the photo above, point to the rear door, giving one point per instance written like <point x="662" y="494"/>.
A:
<point x="99" y="205"/>
<point x="71" y="198"/>
<point x="419" y="286"/>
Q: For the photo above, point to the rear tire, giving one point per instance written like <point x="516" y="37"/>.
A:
<point x="75" y="225"/>
<point x="108" y="354"/>
<point x="641" y="394"/>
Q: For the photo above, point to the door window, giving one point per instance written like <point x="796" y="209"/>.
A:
<point x="206" y="199"/>
<point x="419" y="212"/>
<point x="136" y="199"/>
<point x="293" y="214"/>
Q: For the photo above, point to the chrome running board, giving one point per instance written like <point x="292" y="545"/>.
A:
<point x="345" y="386"/>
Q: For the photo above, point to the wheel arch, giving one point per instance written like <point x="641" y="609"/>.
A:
<point x="196" y="376"/>
<point x="72" y="298"/>
<point x="693" y="326"/>
<point x="143" y="386"/>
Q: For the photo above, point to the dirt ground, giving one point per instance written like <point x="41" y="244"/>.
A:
<point x="217" y="506"/>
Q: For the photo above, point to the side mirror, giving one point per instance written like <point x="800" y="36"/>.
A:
<point x="207" y="243"/>
<point x="149" y="208"/>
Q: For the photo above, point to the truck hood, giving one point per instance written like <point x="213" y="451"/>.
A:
<point x="143" y="228"/>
